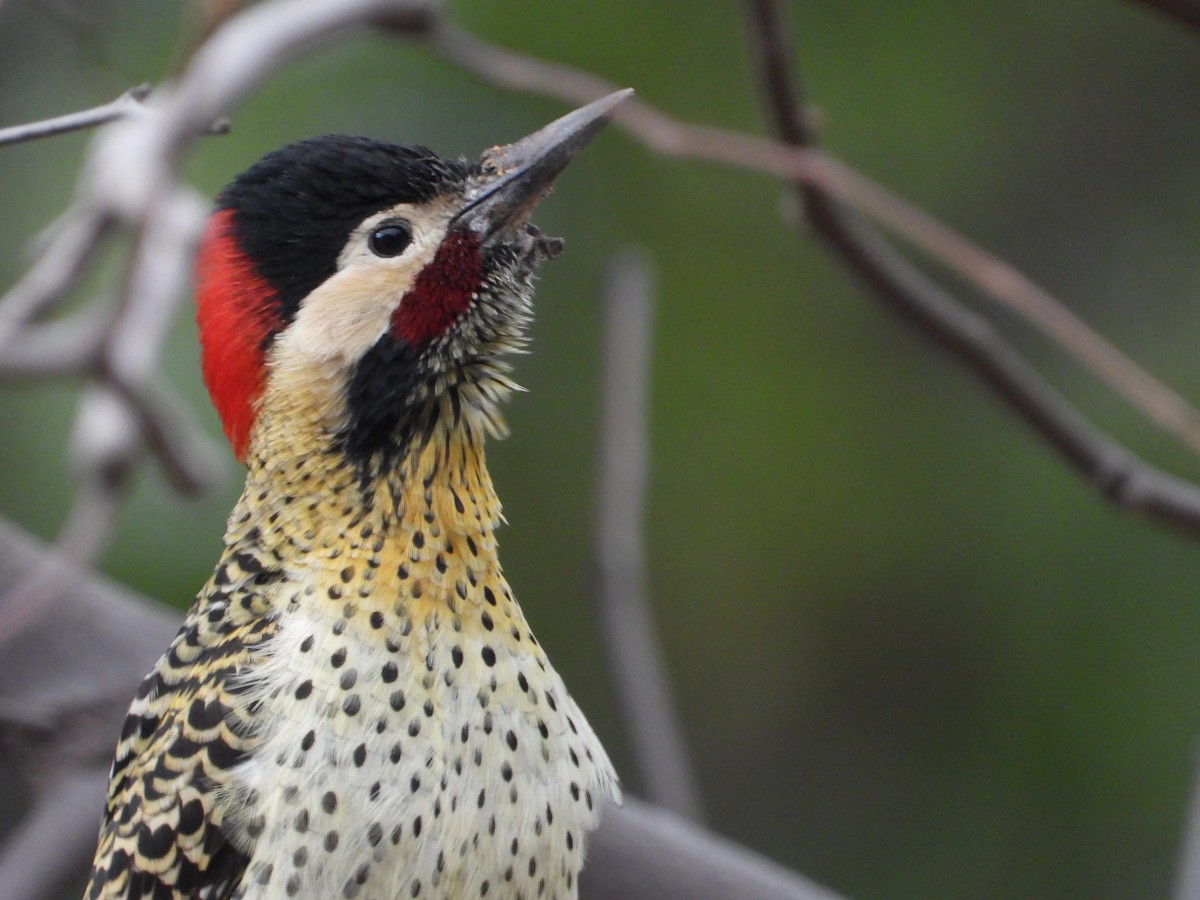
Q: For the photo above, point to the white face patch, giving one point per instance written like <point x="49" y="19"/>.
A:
<point x="344" y="317"/>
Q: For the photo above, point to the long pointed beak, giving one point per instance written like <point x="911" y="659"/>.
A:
<point x="517" y="176"/>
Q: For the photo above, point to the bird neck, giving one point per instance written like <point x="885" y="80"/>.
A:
<point x="423" y="528"/>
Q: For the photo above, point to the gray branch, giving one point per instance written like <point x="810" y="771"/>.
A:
<point x="128" y="103"/>
<point x="630" y="637"/>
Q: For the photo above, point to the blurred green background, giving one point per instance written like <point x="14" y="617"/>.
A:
<point x="914" y="655"/>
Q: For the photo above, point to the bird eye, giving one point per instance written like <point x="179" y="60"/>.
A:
<point x="390" y="238"/>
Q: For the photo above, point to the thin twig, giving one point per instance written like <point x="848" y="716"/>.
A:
<point x="1118" y="474"/>
<point x="129" y="103"/>
<point x="803" y="163"/>
<point x="630" y="637"/>
<point x="1004" y="282"/>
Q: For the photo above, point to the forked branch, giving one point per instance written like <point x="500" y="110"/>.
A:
<point x="1117" y="473"/>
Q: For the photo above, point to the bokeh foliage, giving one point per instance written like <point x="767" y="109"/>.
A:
<point x="915" y="657"/>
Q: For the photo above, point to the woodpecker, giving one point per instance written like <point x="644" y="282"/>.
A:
<point x="355" y="705"/>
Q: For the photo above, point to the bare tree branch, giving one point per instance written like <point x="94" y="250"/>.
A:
<point x="129" y="103"/>
<point x="1016" y="291"/>
<point x="257" y="42"/>
<point x="643" y="853"/>
<point x="630" y="636"/>
<point x="1117" y="473"/>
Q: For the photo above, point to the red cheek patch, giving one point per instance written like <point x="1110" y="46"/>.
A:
<point x="442" y="292"/>
<point x="237" y="312"/>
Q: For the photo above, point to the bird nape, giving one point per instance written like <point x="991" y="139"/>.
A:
<point x="355" y="705"/>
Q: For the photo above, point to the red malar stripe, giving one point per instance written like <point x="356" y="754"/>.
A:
<point x="442" y="292"/>
<point x="237" y="311"/>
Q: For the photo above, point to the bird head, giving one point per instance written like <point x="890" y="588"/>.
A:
<point x="362" y="293"/>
